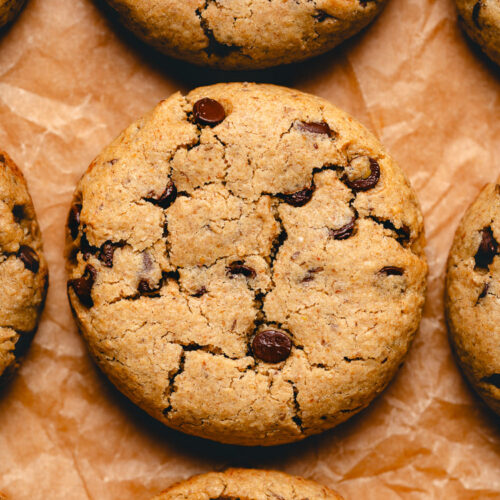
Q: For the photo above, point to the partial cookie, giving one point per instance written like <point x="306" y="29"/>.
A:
<point x="248" y="484"/>
<point x="9" y="9"/>
<point x="481" y="20"/>
<point x="242" y="34"/>
<point x="473" y="295"/>
<point x="23" y="270"/>
<point x="246" y="263"/>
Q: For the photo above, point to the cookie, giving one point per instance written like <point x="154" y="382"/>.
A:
<point x="248" y="484"/>
<point x="239" y="34"/>
<point x="473" y="295"/>
<point x="246" y="264"/>
<point x="481" y="21"/>
<point x="9" y="9"/>
<point x="23" y="270"/>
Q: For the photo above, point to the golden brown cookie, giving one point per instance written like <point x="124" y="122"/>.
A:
<point x="473" y="295"/>
<point x="23" y="270"/>
<point x="246" y="263"/>
<point x="242" y="34"/>
<point x="248" y="484"/>
<point x="9" y="9"/>
<point x="481" y="20"/>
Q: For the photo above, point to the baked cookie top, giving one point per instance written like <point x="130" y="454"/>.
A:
<point x="242" y="34"/>
<point x="23" y="270"/>
<point x="481" y="20"/>
<point x="8" y="10"/>
<point x="246" y="263"/>
<point x="473" y="294"/>
<point x="248" y="484"/>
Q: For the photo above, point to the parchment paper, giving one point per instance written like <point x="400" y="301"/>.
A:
<point x="70" y="80"/>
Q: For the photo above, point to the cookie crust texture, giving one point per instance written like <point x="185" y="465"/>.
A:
<point x="264" y="233"/>
<point x="247" y="484"/>
<point x="9" y="9"/>
<point x="242" y="34"/>
<point x="473" y="295"/>
<point x="481" y="21"/>
<point x="23" y="270"/>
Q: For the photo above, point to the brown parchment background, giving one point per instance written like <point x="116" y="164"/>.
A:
<point x="70" y="80"/>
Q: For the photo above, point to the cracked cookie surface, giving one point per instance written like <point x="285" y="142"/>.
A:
<point x="473" y="295"/>
<point x="23" y="270"/>
<point x="249" y="269"/>
<point x="481" y="21"/>
<point x="248" y="484"/>
<point x="245" y="34"/>
<point x="9" y="9"/>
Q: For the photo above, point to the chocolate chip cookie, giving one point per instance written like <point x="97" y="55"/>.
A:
<point x="248" y="484"/>
<point x="241" y="34"/>
<point x="9" y="9"/>
<point x="481" y="21"/>
<point x="23" y="270"/>
<point x="473" y="295"/>
<point x="246" y="263"/>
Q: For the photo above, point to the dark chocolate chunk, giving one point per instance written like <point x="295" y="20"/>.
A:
<point x="166" y="198"/>
<point x="487" y="250"/>
<point x="392" y="271"/>
<point x="315" y="128"/>
<point x="29" y="258"/>
<point x="86" y="248"/>
<point x="145" y="287"/>
<point x="343" y="232"/>
<point x="107" y="253"/>
<point x="74" y="220"/>
<point x="202" y="291"/>
<point x="299" y="198"/>
<point x="83" y="286"/>
<point x="365" y="184"/>
<point x="238" y="267"/>
<point x="208" y="112"/>
<point x="272" y="346"/>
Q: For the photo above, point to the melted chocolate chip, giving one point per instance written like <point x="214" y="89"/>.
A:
<point x="107" y="253"/>
<point x="18" y="212"/>
<point x="475" y="13"/>
<point x="238" y="267"/>
<point x="344" y="232"/>
<point x="392" y="271"/>
<point x="145" y="287"/>
<point x="166" y="198"/>
<point x="202" y="291"/>
<point x="272" y="346"/>
<point x="315" y="128"/>
<point x="299" y="198"/>
<point x="365" y="184"/>
<point x="29" y="258"/>
<point x="74" y="220"/>
<point x="208" y="112"/>
<point x="83" y="286"/>
<point x="86" y="248"/>
<point x="493" y="380"/>
<point x="487" y="250"/>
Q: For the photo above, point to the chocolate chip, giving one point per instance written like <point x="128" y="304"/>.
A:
<point x="272" y="346"/>
<point x="368" y="183"/>
<point x="238" y="267"/>
<point x="315" y="128"/>
<point x="107" y="253"/>
<point x="344" y="232"/>
<point x="483" y="293"/>
<point x="475" y="13"/>
<point x="392" y="271"/>
<point x="86" y="248"/>
<point x="200" y="292"/>
<point x="18" y="212"/>
<point x="299" y="198"/>
<point x="487" y="249"/>
<point x="208" y="112"/>
<point x="83" y="286"/>
<point x="493" y="380"/>
<point x="145" y="287"/>
<point x="29" y="258"/>
<point x="166" y="198"/>
<point x="74" y="220"/>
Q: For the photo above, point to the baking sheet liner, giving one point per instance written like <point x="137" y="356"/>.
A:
<point x="70" y="80"/>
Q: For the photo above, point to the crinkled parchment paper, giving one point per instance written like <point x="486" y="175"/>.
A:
<point x="70" y="80"/>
